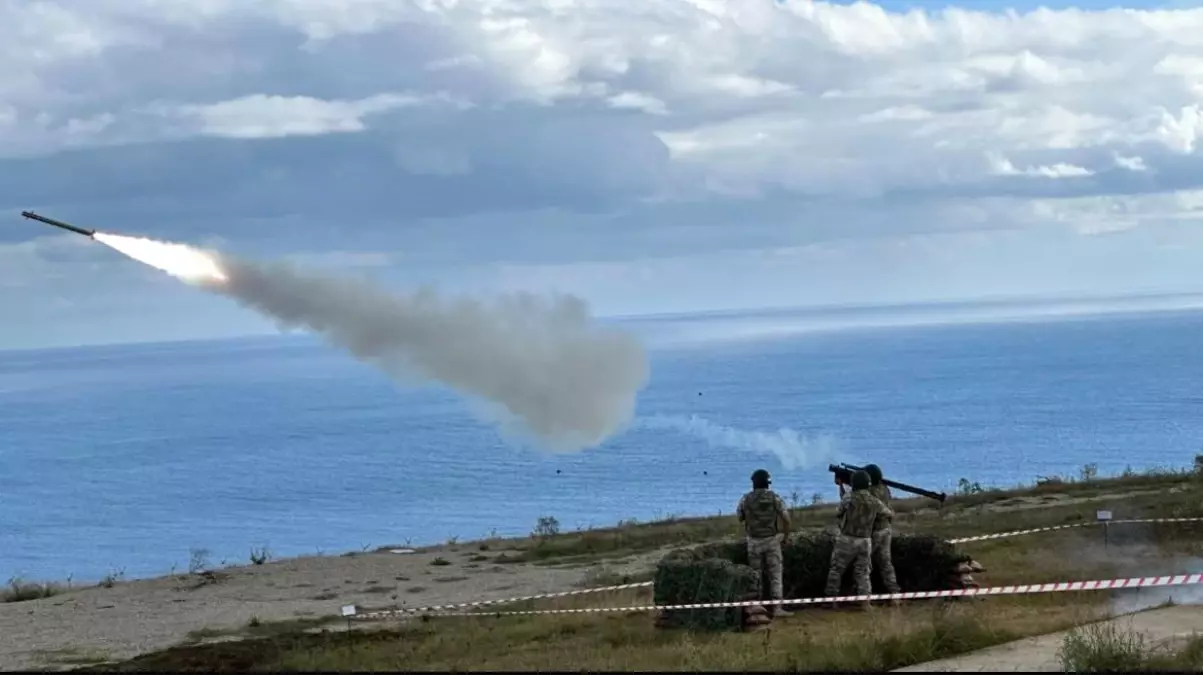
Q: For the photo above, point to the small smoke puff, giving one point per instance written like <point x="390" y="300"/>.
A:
<point x="789" y="446"/>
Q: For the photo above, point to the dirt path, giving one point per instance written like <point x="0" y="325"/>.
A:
<point x="1040" y="654"/>
<point x="99" y="624"/>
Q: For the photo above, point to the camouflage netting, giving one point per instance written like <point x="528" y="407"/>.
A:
<point x="718" y="572"/>
<point x="687" y="577"/>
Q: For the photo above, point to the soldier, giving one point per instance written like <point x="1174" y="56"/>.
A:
<point x="882" y="557"/>
<point x="854" y="543"/>
<point x="766" y="524"/>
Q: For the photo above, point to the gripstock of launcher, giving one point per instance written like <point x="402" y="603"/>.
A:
<point x="843" y="474"/>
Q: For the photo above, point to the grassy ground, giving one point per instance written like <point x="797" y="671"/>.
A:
<point x="975" y="506"/>
<point x="827" y="640"/>
<point x="1107" y="648"/>
<point x="813" y="639"/>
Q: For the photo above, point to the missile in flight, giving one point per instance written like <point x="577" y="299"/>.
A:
<point x="58" y="223"/>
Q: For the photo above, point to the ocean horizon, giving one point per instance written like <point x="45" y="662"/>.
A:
<point x="129" y="457"/>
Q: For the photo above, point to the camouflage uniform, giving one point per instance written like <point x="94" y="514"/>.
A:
<point x="761" y="512"/>
<point x="882" y="555"/>
<point x="854" y="543"/>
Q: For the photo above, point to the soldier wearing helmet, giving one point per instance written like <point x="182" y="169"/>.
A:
<point x="766" y="524"/>
<point x="854" y="543"/>
<point x="883" y="559"/>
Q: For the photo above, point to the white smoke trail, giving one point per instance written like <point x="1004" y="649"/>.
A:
<point x="789" y="446"/>
<point x="541" y="364"/>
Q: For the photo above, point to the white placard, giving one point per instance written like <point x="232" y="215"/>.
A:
<point x="1103" y="515"/>
<point x="348" y="610"/>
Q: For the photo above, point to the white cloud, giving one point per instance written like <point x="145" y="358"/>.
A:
<point x="904" y="113"/>
<point x="629" y="100"/>
<point x="1180" y="132"/>
<point x="1004" y="167"/>
<point x="818" y="83"/>
<point x="698" y="126"/>
<point x="1131" y="163"/>
<point x="743" y="86"/>
<point x="262" y="116"/>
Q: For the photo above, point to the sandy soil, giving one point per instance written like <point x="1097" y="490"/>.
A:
<point x="1039" y="654"/>
<point x="98" y="624"/>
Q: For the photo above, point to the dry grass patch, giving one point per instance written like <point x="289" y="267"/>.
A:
<point x="19" y="590"/>
<point x="1107" y="647"/>
<point x="813" y="639"/>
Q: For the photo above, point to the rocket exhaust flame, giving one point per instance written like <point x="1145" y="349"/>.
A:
<point x="186" y="263"/>
<point x="538" y="367"/>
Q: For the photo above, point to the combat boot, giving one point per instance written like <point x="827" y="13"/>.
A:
<point x="780" y="610"/>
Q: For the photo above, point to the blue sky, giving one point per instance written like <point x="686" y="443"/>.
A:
<point x="671" y="156"/>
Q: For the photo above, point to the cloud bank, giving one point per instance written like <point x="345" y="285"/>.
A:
<point x="545" y="143"/>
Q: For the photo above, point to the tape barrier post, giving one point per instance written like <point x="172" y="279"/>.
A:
<point x="1025" y="589"/>
<point x="1104" y="517"/>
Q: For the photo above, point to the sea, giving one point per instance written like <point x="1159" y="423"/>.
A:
<point x="131" y="459"/>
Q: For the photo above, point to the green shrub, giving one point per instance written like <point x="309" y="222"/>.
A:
<point x="689" y="577"/>
<point x="922" y="562"/>
<point x="719" y="572"/>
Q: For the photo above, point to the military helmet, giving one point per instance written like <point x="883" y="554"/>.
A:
<point x="761" y="477"/>
<point x="860" y="480"/>
<point x="874" y="472"/>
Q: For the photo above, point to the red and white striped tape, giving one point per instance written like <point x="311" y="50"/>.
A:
<point x="506" y="601"/>
<point x="1016" y="533"/>
<point x="1027" y="589"/>
<point x="448" y="610"/>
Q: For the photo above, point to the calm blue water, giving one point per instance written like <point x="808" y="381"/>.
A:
<point x="129" y="457"/>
